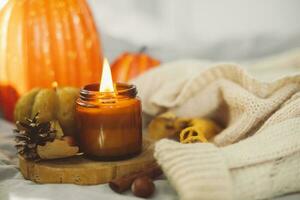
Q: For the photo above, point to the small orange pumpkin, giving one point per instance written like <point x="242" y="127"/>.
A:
<point x="129" y="65"/>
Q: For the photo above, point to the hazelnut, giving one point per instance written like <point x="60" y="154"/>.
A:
<point x="143" y="187"/>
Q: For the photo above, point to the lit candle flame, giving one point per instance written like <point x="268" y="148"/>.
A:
<point x="106" y="84"/>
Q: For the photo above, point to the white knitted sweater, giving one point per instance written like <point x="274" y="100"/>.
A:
<point x="256" y="156"/>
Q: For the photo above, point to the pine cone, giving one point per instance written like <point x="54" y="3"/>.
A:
<point x="30" y="134"/>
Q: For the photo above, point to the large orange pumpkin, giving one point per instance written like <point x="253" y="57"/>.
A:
<point x="42" y="41"/>
<point x="129" y="65"/>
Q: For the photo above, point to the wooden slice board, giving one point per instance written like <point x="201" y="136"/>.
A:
<point x="82" y="171"/>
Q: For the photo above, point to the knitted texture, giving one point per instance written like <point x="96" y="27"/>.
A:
<point x="195" y="170"/>
<point x="256" y="156"/>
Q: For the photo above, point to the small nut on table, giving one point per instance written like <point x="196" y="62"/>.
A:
<point x="143" y="187"/>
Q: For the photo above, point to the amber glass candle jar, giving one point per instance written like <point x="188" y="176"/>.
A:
<point x="109" y="127"/>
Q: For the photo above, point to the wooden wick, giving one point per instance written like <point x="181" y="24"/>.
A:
<point x="124" y="183"/>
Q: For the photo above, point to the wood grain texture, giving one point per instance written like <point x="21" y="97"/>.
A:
<point x="82" y="171"/>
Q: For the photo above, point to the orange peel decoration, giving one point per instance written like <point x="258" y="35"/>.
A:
<point x="192" y="134"/>
<point x="200" y="130"/>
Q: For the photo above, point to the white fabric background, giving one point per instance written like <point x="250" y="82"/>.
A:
<point x="206" y="29"/>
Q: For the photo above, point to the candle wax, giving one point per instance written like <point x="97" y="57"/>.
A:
<point x="110" y="129"/>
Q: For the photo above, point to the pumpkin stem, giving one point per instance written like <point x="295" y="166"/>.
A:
<point x="142" y="49"/>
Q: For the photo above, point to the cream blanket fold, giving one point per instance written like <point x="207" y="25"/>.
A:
<point x="256" y="156"/>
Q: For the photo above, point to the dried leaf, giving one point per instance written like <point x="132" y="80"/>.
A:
<point x="56" y="149"/>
